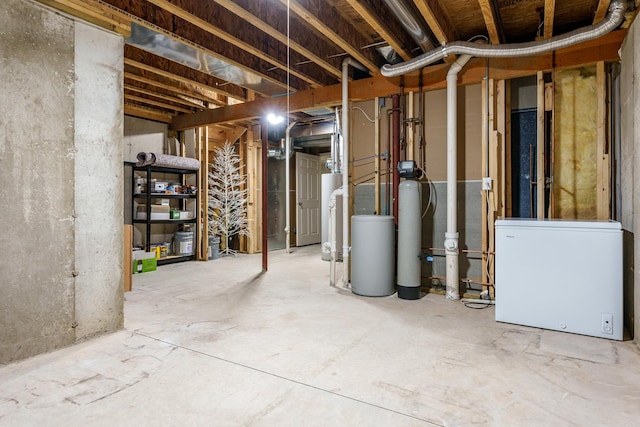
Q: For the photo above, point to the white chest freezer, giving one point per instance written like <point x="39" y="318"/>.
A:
<point x="560" y="275"/>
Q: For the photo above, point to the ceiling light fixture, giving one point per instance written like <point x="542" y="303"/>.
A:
<point x="275" y="120"/>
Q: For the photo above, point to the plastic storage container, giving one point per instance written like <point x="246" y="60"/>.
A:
<point x="183" y="243"/>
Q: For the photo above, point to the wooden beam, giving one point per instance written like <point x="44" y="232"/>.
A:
<point x="95" y="12"/>
<point x="490" y="20"/>
<point x="329" y="96"/>
<point x="549" y="13"/>
<point x="378" y="19"/>
<point x="601" y="11"/>
<point x="157" y="94"/>
<point x="146" y="113"/>
<point x="329" y="22"/>
<point x="163" y="105"/>
<point x="198" y="97"/>
<point x="160" y="20"/>
<point x="436" y="19"/>
<point x="272" y="24"/>
<point x="239" y="42"/>
<point x="434" y="77"/>
<point x="136" y="57"/>
<point x="169" y="75"/>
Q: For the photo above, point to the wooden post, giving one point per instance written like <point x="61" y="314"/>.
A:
<point x="242" y="153"/>
<point x="127" y="254"/>
<point x="485" y="173"/>
<point x="540" y="151"/>
<point x="264" y="186"/>
<point x="603" y="166"/>
<point x="549" y="105"/>
<point x="501" y="127"/>
<point x="493" y="166"/>
<point x="253" y="194"/>
<point x="204" y="193"/>
<point x="202" y="244"/>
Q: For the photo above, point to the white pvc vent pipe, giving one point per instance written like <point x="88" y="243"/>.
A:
<point x="451" y="235"/>
<point x="345" y="165"/>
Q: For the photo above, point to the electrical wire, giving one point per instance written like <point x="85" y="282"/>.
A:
<point x="480" y="305"/>
<point x="489" y="235"/>
<point x="364" y="113"/>
<point x="432" y="195"/>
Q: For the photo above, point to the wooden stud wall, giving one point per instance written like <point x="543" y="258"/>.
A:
<point x="127" y="262"/>
<point x="254" y="205"/>
<point x="540" y="153"/>
<point x="603" y="160"/>
<point x="493" y="201"/>
<point x="202" y="153"/>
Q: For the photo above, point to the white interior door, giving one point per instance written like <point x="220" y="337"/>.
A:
<point x="307" y="199"/>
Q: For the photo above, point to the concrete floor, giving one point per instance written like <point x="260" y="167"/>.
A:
<point x="218" y="344"/>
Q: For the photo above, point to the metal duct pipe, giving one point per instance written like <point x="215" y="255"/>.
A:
<point x="451" y="235"/>
<point x="345" y="164"/>
<point x="611" y="22"/>
<point x="409" y="21"/>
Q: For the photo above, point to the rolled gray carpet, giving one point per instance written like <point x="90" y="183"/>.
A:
<point x="167" y="161"/>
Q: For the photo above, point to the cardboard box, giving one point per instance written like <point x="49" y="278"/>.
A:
<point x="143" y="215"/>
<point x="154" y="208"/>
<point x="144" y="262"/>
<point x="157" y="212"/>
<point x="159" y="186"/>
<point x="144" y="265"/>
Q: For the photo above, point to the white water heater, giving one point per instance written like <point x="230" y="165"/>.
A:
<point x="330" y="182"/>
<point x="409" y="239"/>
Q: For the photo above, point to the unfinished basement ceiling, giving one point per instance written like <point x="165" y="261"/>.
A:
<point x="250" y="38"/>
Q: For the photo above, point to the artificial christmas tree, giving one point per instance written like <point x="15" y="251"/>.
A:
<point x="227" y="198"/>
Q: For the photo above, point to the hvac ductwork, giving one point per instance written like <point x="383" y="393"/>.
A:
<point x="610" y="23"/>
<point x="408" y="20"/>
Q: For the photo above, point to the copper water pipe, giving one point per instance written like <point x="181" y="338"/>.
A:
<point x="395" y="157"/>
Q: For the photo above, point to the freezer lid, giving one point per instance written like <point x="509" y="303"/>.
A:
<point x="557" y="223"/>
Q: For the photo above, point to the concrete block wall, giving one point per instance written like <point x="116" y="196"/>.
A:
<point x="61" y="165"/>
<point x="629" y="162"/>
<point x="98" y="181"/>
